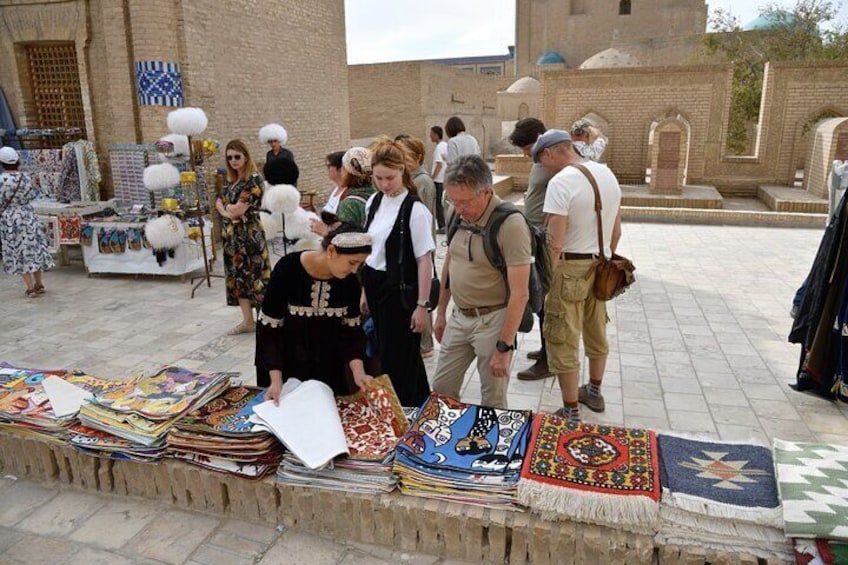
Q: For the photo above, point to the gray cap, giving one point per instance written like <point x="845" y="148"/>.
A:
<point x="548" y="139"/>
<point x="8" y="155"/>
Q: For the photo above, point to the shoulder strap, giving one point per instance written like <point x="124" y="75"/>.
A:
<point x="372" y="211"/>
<point x="490" y="243"/>
<point x="594" y="183"/>
<point x="11" y="198"/>
<point x="405" y="214"/>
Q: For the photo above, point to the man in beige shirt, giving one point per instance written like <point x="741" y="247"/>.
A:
<point x="487" y="311"/>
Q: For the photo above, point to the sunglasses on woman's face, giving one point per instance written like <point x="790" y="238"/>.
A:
<point x="234" y="157"/>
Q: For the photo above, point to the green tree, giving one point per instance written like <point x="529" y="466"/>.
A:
<point x="808" y="32"/>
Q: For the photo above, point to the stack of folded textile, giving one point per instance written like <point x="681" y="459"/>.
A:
<point x="721" y="495"/>
<point x="143" y="409"/>
<point x="220" y="437"/>
<point x="372" y="421"/>
<point x="812" y="479"/>
<point x="463" y="452"/>
<point x="107" y="446"/>
<point x="25" y="405"/>
<point x="592" y="473"/>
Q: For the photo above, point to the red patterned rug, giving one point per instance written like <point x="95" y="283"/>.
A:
<point x="592" y="473"/>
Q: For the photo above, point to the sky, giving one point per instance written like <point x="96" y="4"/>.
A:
<point x="406" y="30"/>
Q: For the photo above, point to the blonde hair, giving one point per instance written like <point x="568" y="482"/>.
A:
<point x="249" y="168"/>
<point x="394" y="155"/>
<point x="415" y="148"/>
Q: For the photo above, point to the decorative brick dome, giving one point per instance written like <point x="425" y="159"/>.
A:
<point x="610" y="58"/>
<point x="525" y="85"/>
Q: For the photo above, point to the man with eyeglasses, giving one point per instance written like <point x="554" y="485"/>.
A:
<point x="486" y="312"/>
<point x="571" y="308"/>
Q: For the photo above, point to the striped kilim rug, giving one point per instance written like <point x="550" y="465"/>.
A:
<point x="603" y="475"/>
<point x="812" y="479"/>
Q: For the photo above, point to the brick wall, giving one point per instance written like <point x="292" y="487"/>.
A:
<point x="410" y="97"/>
<point x="632" y="99"/>
<point x="288" y="66"/>
<point x="659" y="32"/>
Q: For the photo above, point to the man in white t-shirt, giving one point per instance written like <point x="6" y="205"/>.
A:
<point x="459" y="142"/>
<point x="440" y="157"/>
<point x="571" y="307"/>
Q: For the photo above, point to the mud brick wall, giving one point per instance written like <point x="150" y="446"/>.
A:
<point x="404" y="523"/>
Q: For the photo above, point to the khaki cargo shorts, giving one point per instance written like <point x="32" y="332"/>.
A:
<point x="571" y="310"/>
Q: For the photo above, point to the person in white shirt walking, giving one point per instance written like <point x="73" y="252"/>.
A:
<point x="437" y="172"/>
<point x="459" y="142"/>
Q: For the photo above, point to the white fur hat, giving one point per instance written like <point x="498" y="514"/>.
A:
<point x="298" y="224"/>
<point x="160" y="177"/>
<point x="272" y="224"/>
<point x="273" y="132"/>
<point x="180" y="143"/>
<point x="281" y="198"/>
<point x="164" y="232"/>
<point x="187" y="121"/>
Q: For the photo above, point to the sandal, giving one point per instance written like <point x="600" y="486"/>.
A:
<point x="242" y="329"/>
<point x="39" y="289"/>
<point x="31" y="293"/>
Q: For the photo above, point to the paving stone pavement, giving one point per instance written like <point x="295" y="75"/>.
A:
<point x="42" y="524"/>
<point x="698" y="345"/>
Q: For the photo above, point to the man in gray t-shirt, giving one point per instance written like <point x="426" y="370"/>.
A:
<point x="524" y="136"/>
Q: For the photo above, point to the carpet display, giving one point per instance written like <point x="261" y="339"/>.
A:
<point x="812" y="479"/>
<point x="463" y="452"/>
<point x="143" y="409"/>
<point x="220" y="437"/>
<point x="603" y="475"/>
<point x="719" y="494"/>
<point x="820" y="552"/>
<point x="25" y="407"/>
<point x="373" y="422"/>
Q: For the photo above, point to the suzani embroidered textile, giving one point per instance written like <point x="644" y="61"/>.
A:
<point x="599" y="474"/>
<point x="373" y="420"/>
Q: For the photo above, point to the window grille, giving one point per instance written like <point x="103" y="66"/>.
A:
<point x="55" y="91"/>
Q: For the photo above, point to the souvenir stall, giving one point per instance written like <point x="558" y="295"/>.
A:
<point x="120" y="245"/>
<point x="63" y="223"/>
<point x="167" y="231"/>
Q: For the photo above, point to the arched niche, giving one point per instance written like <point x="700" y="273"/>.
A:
<point x="669" y="145"/>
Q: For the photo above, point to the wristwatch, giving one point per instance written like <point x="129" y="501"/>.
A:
<point x="503" y="347"/>
<point x="423" y="303"/>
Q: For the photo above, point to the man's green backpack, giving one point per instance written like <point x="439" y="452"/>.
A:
<point x="541" y="270"/>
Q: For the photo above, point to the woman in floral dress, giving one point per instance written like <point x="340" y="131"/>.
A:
<point x="23" y="241"/>
<point x="245" y="253"/>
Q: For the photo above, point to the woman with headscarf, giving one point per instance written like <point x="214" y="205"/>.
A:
<point x="356" y="188"/>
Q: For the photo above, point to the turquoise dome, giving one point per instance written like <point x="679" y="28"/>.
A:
<point x="773" y="20"/>
<point x="550" y="58"/>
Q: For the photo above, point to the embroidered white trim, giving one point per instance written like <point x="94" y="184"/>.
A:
<point x="309" y="311"/>
<point x="269" y="321"/>
<point x="351" y="322"/>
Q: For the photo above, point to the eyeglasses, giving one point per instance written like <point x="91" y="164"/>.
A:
<point x="234" y="157"/>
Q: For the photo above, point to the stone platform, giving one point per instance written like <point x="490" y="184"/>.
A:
<point x="401" y="522"/>
<point x="699" y="197"/>
<point x="791" y="199"/>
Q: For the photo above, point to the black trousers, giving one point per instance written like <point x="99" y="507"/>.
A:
<point x="440" y="207"/>
<point x="398" y="347"/>
<point x="541" y="315"/>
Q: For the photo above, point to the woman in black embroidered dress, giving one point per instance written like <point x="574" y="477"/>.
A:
<point x="309" y="326"/>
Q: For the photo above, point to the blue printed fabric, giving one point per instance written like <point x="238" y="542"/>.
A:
<point x="159" y="83"/>
<point x="454" y="438"/>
